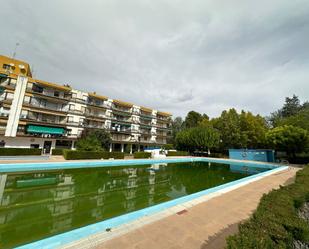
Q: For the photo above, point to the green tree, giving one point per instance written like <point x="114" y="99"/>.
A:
<point x="176" y="126"/>
<point x="103" y="136"/>
<point x="301" y="119"/>
<point x="291" y="106"/>
<point x="89" y="143"/>
<point x="198" y="138"/>
<point x="289" y="139"/>
<point x="193" y="119"/>
<point x="253" y="129"/>
<point x="228" y="125"/>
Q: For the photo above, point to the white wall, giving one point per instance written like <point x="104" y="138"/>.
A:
<point x="24" y="142"/>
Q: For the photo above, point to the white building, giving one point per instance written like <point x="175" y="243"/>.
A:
<point x="40" y="114"/>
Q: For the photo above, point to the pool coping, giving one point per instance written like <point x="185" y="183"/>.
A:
<point x="96" y="233"/>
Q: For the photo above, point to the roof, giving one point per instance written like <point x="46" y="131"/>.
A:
<point x="16" y="69"/>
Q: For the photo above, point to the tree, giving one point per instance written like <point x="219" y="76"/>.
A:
<point x="89" y="143"/>
<point x="193" y="119"/>
<point x="176" y="126"/>
<point x="288" y="138"/>
<point x="253" y="130"/>
<point x="291" y="106"/>
<point x="198" y="138"/>
<point x="301" y="119"/>
<point x="103" y="136"/>
<point x="228" y="125"/>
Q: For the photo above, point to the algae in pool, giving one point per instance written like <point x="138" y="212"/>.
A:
<point x="36" y="205"/>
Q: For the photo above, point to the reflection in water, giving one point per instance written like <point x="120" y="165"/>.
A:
<point x="37" y="205"/>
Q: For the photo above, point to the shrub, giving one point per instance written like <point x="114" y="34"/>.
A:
<point x="177" y="153"/>
<point x="77" y="155"/>
<point x="168" y="147"/>
<point x="142" y="154"/>
<point x="19" y="151"/>
<point x="57" y="152"/>
<point x="275" y="223"/>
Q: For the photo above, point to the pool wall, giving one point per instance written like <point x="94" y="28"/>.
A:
<point x="83" y="233"/>
<point x="24" y="167"/>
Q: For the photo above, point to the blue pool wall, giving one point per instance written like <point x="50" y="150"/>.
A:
<point x="24" y="167"/>
<point x="252" y="155"/>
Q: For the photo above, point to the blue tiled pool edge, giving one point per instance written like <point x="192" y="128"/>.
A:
<point x="41" y="166"/>
<point x="83" y="232"/>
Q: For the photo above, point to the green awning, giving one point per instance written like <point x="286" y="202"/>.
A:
<point x="3" y="75"/>
<point x="45" y="130"/>
<point x="36" y="182"/>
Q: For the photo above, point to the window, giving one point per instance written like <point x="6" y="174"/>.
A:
<point x="6" y="66"/>
<point x="34" y="146"/>
<point x="83" y="109"/>
<point x="56" y="94"/>
<point x="70" y="119"/>
<point x="71" y="107"/>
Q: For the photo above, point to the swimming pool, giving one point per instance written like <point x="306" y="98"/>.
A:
<point x="57" y="198"/>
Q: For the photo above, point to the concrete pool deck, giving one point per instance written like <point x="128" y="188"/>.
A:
<point x="193" y="227"/>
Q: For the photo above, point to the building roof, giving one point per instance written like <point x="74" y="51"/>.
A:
<point x="17" y="66"/>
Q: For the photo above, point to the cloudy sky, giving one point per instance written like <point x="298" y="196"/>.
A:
<point x="172" y="55"/>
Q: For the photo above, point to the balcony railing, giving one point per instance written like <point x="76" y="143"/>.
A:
<point x="95" y="126"/>
<point x="43" y="120"/>
<point x="97" y="104"/>
<point x="120" y="109"/>
<point x="95" y="115"/>
<point x="48" y="94"/>
<point x="4" y="114"/>
<point x="36" y="104"/>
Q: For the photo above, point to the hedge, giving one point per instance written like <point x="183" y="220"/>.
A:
<point x="57" y="152"/>
<point x="19" y="151"/>
<point x="76" y="155"/>
<point x="275" y="223"/>
<point x="142" y="154"/>
<point x="177" y="153"/>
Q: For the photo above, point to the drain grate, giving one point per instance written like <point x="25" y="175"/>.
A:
<point x="182" y="212"/>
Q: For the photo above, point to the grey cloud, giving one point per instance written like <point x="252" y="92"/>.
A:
<point x="172" y="55"/>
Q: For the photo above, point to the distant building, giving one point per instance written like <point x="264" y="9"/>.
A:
<point x="39" y="114"/>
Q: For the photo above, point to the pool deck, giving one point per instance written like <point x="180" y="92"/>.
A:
<point x="193" y="227"/>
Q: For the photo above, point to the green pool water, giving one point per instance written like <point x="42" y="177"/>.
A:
<point x="36" y="205"/>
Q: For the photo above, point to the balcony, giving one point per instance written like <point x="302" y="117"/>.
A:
<point x="48" y="119"/>
<point x="122" y="119"/>
<point x="37" y="103"/>
<point x="49" y="94"/>
<point x="97" y="104"/>
<point x="98" y="115"/>
<point x="121" y="110"/>
<point x="4" y="115"/>
<point x="94" y="126"/>
<point x="162" y="118"/>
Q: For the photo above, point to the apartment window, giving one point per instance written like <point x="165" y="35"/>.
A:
<point x="37" y="88"/>
<point x="34" y="146"/>
<point x="6" y="66"/>
<point x="72" y="107"/>
<point x="70" y="119"/>
<point x="83" y="109"/>
<point x="56" y="94"/>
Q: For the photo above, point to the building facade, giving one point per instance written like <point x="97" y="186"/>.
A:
<point x="39" y="114"/>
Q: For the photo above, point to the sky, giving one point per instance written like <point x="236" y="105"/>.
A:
<point x="171" y="55"/>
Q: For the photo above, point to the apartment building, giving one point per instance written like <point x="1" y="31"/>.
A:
<point x="40" y="114"/>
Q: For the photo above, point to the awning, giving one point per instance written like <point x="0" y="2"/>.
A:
<point x="3" y="75"/>
<point x="45" y="130"/>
